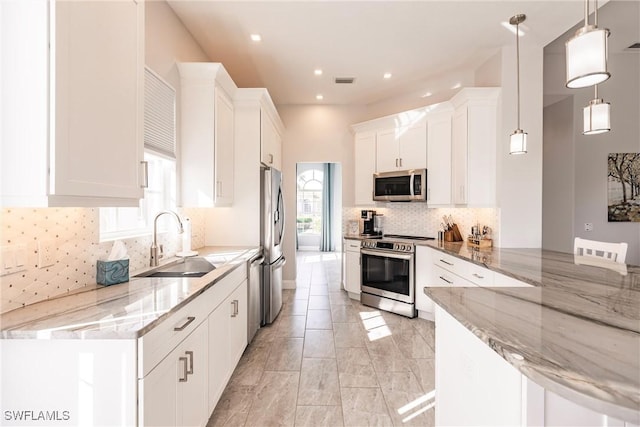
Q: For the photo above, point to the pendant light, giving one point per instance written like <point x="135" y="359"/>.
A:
<point x="518" y="140"/>
<point x="597" y="116"/>
<point x="586" y="54"/>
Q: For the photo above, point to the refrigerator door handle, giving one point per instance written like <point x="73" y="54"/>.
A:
<point x="281" y="213"/>
<point x="282" y="261"/>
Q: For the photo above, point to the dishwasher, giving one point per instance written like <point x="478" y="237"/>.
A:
<point x="254" y="274"/>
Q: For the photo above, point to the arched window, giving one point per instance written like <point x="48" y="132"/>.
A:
<point x="310" y="201"/>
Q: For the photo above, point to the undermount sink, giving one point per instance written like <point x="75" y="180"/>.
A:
<point x="188" y="267"/>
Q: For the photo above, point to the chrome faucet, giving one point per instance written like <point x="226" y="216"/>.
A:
<point x="154" y="246"/>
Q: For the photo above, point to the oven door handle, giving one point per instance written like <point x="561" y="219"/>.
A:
<point x="387" y="254"/>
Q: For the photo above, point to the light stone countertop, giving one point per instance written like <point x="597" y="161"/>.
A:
<point x="577" y="329"/>
<point x="123" y="311"/>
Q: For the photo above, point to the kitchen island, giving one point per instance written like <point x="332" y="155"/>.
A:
<point x="151" y="351"/>
<point x="574" y="331"/>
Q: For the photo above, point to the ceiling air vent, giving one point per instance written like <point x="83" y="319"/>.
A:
<point x="635" y="47"/>
<point x="345" y="80"/>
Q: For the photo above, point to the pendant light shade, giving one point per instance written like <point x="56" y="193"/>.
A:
<point x="597" y="116"/>
<point x="586" y="54"/>
<point x="518" y="139"/>
<point x="518" y="142"/>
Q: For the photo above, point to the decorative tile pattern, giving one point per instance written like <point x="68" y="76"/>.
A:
<point x="76" y="236"/>
<point x="417" y="219"/>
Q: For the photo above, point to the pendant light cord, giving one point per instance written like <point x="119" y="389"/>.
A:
<point x="518" y="68"/>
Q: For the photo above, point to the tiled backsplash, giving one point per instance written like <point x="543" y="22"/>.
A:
<point x="75" y="233"/>
<point x="416" y="219"/>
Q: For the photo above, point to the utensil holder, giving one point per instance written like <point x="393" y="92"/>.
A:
<point x="457" y="237"/>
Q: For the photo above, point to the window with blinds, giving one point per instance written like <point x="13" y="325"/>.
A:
<point x="159" y="114"/>
<point x="160" y="153"/>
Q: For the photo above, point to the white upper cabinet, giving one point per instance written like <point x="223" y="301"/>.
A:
<point x="386" y="151"/>
<point x="270" y="141"/>
<point x="207" y="143"/>
<point x="474" y="139"/>
<point x="402" y="148"/>
<point x="439" y="159"/>
<point x="72" y="104"/>
<point x="365" y="167"/>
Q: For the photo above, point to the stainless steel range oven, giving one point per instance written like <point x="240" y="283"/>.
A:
<point x="387" y="272"/>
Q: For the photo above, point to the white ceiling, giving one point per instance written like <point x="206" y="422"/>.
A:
<point x="426" y="45"/>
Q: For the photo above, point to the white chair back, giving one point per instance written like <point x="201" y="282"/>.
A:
<point x="616" y="252"/>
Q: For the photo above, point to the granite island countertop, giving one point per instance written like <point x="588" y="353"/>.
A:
<point x="123" y="311"/>
<point x="575" y="332"/>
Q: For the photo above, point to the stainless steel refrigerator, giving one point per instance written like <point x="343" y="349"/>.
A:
<point x="272" y="232"/>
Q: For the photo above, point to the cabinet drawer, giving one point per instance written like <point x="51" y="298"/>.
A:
<point x="450" y="263"/>
<point x="352" y="245"/>
<point x="161" y="340"/>
<point x="479" y="275"/>
<point x="444" y="278"/>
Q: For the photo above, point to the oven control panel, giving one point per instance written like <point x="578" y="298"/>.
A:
<point x="389" y="246"/>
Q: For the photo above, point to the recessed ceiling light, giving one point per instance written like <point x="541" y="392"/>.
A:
<point x="256" y="37"/>
<point x="508" y="26"/>
<point x="427" y="94"/>
<point x="319" y="97"/>
<point x="387" y="75"/>
<point x="456" y="86"/>
<point x="317" y="72"/>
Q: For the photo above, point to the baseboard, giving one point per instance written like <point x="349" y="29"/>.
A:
<point x="426" y="315"/>
<point x="288" y="284"/>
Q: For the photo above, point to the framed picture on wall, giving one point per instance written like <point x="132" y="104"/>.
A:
<point x="623" y="187"/>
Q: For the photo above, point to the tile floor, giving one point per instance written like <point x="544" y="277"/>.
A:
<point x="327" y="360"/>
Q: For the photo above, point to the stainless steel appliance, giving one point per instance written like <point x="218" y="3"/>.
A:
<point x="387" y="272"/>
<point x="370" y="223"/>
<point x="400" y="186"/>
<point x="254" y="273"/>
<point x="272" y="232"/>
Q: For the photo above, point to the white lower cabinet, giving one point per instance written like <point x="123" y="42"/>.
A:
<point x="477" y="387"/>
<point x="424" y="278"/>
<point x="174" y="393"/>
<point x="474" y="386"/>
<point x="183" y="387"/>
<point x="227" y="325"/>
<point x="352" y="275"/>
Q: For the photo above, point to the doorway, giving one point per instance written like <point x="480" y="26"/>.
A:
<point x="318" y="206"/>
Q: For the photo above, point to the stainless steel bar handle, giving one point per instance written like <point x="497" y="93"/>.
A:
<point x="185" y="372"/>
<point x="234" y="304"/>
<point x="187" y="323"/>
<point x="448" y="281"/>
<point x="396" y="162"/>
<point x="446" y="262"/>
<point x="190" y="354"/>
<point x="411" y="181"/>
<point x="270" y="159"/>
<point x="478" y="276"/>
<point x="145" y="167"/>
<point x="400" y="161"/>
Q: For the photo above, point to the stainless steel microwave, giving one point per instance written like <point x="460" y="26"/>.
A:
<point x="400" y="186"/>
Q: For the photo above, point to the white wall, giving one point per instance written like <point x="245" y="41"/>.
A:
<point x="589" y="193"/>
<point x="315" y="133"/>
<point x="558" y="180"/>
<point x="520" y="177"/>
